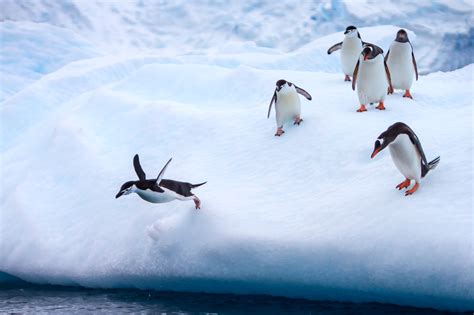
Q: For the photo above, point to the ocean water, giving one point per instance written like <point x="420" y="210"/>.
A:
<point x="27" y="298"/>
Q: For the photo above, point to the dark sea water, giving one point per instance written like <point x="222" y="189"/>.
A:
<point x="27" y="298"/>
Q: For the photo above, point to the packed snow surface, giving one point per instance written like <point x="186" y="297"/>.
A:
<point x="308" y="214"/>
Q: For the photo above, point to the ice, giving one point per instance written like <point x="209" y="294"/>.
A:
<point x="305" y="215"/>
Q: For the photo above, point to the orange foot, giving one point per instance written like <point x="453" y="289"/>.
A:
<point x="390" y="90"/>
<point x="197" y="202"/>
<point x="380" y="107"/>
<point x="347" y="78"/>
<point x="298" y="121"/>
<point x="403" y="184"/>
<point x="411" y="191"/>
<point x="279" y="132"/>
<point x="407" y="94"/>
<point x="362" y="109"/>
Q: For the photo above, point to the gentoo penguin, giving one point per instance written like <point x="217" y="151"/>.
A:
<point x="407" y="154"/>
<point x="372" y="77"/>
<point x="158" y="190"/>
<point x="287" y="104"/>
<point x="350" y="48"/>
<point x="401" y="62"/>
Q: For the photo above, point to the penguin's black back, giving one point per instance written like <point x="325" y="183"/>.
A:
<point x="181" y="188"/>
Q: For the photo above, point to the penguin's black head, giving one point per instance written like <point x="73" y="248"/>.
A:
<point x="350" y="28"/>
<point x="371" y="51"/>
<point x="125" y="189"/>
<point x="281" y="83"/>
<point x="388" y="136"/>
<point x="351" y="31"/>
<point x="379" y="145"/>
<point x="402" y="36"/>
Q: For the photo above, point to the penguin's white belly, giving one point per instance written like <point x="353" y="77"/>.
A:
<point x="156" y="197"/>
<point x="288" y="107"/>
<point x="401" y="66"/>
<point x="350" y="52"/>
<point x="371" y="81"/>
<point x="406" y="158"/>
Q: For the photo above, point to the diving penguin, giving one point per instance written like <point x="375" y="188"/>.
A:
<point x="158" y="190"/>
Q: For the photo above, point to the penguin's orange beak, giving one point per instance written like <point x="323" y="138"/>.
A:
<point x="376" y="150"/>
<point x="366" y="57"/>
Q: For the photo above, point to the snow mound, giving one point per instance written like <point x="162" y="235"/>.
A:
<point x="305" y="215"/>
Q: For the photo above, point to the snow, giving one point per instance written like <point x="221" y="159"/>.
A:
<point x="305" y="215"/>
<point x="200" y="26"/>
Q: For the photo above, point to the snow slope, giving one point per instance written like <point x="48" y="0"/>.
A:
<point x="305" y="215"/>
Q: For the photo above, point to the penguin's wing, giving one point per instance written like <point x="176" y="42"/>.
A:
<point x="416" y="142"/>
<point x="304" y="93"/>
<point x="274" y="99"/>
<point x="414" y="62"/>
<point x="162" y="172"/>
<point x="138" y="168"/>
<point x="386" y="56"/>
<point x="389" y="77"/>
<point x="354" y="75"/>
<point x="334" y="47"/>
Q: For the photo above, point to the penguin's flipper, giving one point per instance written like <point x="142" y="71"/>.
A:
<point x="386" y="56"/>
<point x="162" y="172"/>
<point x="416" y="142"/>
<point x="304" y="93"/>
<point x="138" y="168"/>
<point x="274" y="99"/>
<point x="414" y="64"/>
<point x="354" y="75"/>
<point x="334" y="47"/>
<point x="389" y="77"/>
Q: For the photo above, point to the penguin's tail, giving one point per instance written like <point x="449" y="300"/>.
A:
<point x="431" y="166"/>
<point x="434" y="163"/>
<point x="197" y="185"/>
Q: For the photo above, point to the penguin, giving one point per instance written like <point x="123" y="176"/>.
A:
<point x="158" y="190"/>
<point x="407" y="154"/>
<point x="372" y="77"/>
<point x="287" y="104"/>
<point x="350" y="47"/>
<point x="401" y="62"/>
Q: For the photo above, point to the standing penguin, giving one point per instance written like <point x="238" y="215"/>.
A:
<point x="350" y="47"/>
<point x="407" y="154"/>
<point x="287" y="104"/>
<point x="158" y="190"/>
<point x="372" y="77"/>
<point x="401" y="62"/>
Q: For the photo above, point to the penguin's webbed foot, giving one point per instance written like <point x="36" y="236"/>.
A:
<point x="362" y="109"/>
<point x="298" y="121"/>
<point x="197" y="202"/>
<point x="407" y="94"/>
<point x="412" y="190"/>
<point x="347" y="78"/>
<point x="380" y="106"/>
<point x="403" y="184"/>
<point x="279" y="132"/>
